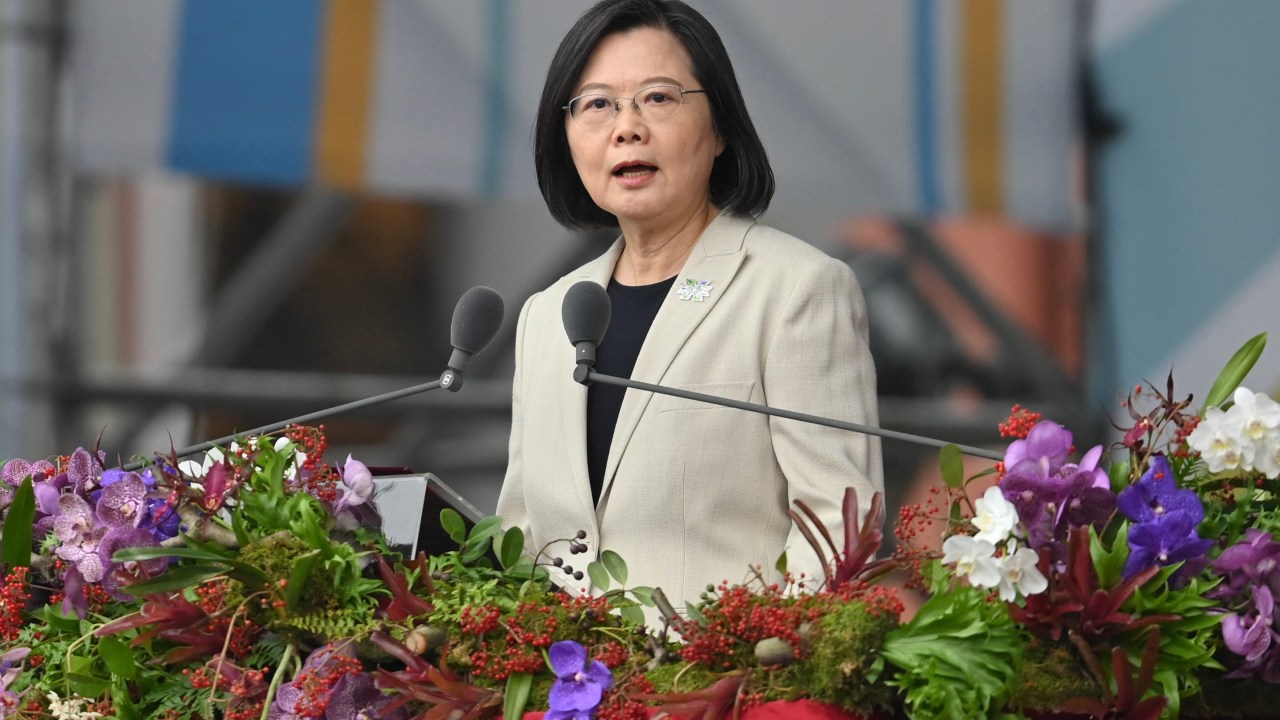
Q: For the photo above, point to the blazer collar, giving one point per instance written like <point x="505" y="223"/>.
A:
<point x="715" y="259"/>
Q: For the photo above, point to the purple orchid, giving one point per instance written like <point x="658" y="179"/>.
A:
<point x="8" y="673"/>
<point x="357" y="485"/>
<point x="1169" y="538"/>
<point x="1250" y="634"/>
<point x="17" y="470"/>
<point x="1051" y="495"/>
<point x="84" y="472"/>
<point x="1157" y="493"/>
<point x="1251" y="572"/>
<point x="1253" y="561"/>
<point x="79" y="535"/>
<point x="579" y="685"/>
<point x="1047" y="444"/>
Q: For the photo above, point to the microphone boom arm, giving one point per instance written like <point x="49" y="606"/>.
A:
<point x="585" y="374"/>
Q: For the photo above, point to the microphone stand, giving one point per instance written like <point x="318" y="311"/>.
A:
<point x="449" y="380"/>
<point x="585" y="374"/>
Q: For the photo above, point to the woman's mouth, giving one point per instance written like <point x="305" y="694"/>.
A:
<point x="633" y="170"/>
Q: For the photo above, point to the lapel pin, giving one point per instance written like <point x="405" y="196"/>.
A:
<point x="695" y="290"/>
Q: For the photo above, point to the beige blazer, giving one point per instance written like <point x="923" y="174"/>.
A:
<point x="693" y="493"/>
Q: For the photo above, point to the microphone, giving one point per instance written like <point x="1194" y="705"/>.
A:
<point x="476" y="319"/>
<point x="586" y="313"/>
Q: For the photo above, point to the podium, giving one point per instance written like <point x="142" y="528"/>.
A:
<point x="410" y="506"/>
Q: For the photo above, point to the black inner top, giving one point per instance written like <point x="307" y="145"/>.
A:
<point x="633" y="309"/>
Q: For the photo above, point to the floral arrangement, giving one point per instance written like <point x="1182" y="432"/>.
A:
<point x="1138" y="581"/>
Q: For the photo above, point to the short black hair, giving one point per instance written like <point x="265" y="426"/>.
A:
<point x="742" y="182"/>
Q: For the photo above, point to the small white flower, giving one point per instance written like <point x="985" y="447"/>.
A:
<point x="1019" y="574"/>
<point x="996" y="517"/>
<point x="974" y="560"/>
<point x="1217" y="441"/>
<point x="1260" y="414"/>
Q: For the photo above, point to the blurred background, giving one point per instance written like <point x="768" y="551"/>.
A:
<point x="215" y="215"/>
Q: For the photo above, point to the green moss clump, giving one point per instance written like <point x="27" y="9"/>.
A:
<point x="844" y="646"/>
<point x="680" y="678"/>
<point x="1049" y="675"/>
<point x="276" y="556"/>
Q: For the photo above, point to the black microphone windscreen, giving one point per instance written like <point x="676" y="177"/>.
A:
<point x="476" y="319"/>
<point x="585" y="311"/>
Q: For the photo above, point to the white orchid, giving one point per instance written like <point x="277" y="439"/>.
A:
<point x="1019" y="574"/>
<point x="1216" y="438"/>
<point x="995" y="517"/>
<point x="1245" y="437"/>
<point x="974" y="560"/>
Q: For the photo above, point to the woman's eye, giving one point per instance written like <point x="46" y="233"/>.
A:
<point x="657" y="98"/>
<point x="597" y="103"/>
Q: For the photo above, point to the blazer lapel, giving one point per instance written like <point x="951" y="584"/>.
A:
<point x="573" y="404"/>
<point x="715" y="259"/>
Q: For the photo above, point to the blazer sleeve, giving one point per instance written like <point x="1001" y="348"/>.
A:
<point x="819" y="362"/>
<point x="511" y="503"/>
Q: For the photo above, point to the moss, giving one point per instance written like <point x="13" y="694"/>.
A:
<point x="276" y="556"/>
<point x="680" y="677"/>
<point x="1050" y="674"/>
<point x="841" y="653"/>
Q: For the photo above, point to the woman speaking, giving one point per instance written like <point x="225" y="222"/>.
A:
<point x="642" y="127"/>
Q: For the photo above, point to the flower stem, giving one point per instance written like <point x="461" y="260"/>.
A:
<point x="276" y="679"/>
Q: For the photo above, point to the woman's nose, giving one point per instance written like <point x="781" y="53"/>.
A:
<point x="629" y="124"/>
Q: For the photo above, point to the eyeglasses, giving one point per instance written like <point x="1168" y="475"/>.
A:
<point x="656" y="102"/>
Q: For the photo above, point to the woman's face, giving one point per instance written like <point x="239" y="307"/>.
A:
<point x="647" y="173"/>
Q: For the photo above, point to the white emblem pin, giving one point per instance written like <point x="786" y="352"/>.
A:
<point x="695" y="290"/>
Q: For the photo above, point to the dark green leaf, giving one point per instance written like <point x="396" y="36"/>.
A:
<point x="121" y="701"/>
<point x="952" y="466"/>
<point x="695" y="614"/>
<point x="18" y="526"/>
<point x="452" y="523"/>
<point x="53" y="617"/>
<point x="511" y="547"/>
<point x="473" y="551"/>
<point x="298" y="578"/>
<point x="117" y="656"/>
<point x="632" y="614"/>
<point x="1235" y="371"/>
<point x="150" y="553"/>
<point x="643" y="595"/>
<point x="599" y="575"/>
<point x="484" y="529"/>
<point x="87" y="685"/>
<point x="781" y="564"/>
<point x="616" y="566"/>
<point x="175" y="578"/>
<point x="516" y="696"/>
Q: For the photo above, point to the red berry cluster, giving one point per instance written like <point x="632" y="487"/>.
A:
<point x="322" y="483"/>
<point x="1184" y="430"/>
<point x="617" y="703"/>
<point x="1020" y="422"/>
<point x="480" y="619"/>
<point x="13" y="598"/>
<point x="738" y="619"/>
<point x="317" y="684"/>
<point x="311" y="441"/>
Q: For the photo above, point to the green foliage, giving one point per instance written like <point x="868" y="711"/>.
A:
<point x="841" y="654"/>
<point x="956" y="658"/>
<point x="15" y="546"/>
<point x="1235" y="370"/>
<point x="1050" y="674"/>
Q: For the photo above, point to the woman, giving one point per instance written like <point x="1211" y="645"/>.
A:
<point x="642" y="126"/>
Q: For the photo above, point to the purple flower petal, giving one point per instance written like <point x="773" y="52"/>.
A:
<point x="568" y="658"/>
<point x="123" y="502"/>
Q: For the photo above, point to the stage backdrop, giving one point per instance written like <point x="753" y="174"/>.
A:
<point x="1190" y="188"/>
<point x="922" y="106"/>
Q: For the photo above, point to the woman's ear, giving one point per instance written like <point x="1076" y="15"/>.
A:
<point x="720" y="146"/>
